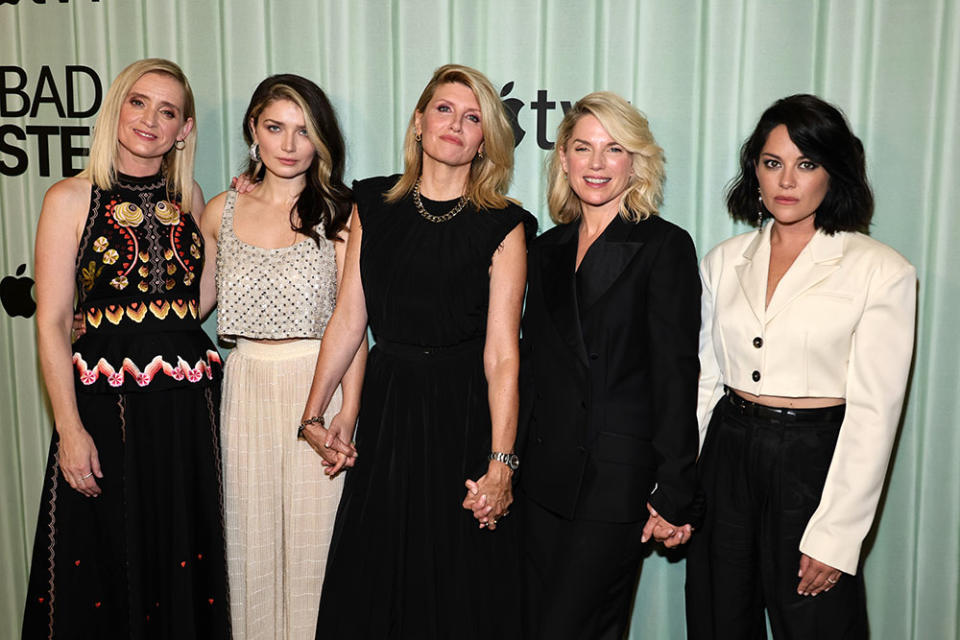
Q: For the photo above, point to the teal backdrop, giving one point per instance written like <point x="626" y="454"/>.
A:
<point x="701" y="70"/>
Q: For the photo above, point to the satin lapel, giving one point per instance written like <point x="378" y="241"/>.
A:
<point x="752" y="272"/>
<point x="557" y="264"/>
<point x="819" y="259"/>
<point x="613" y="251"/>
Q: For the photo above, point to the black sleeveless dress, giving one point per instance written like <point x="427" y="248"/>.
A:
<point x="145" y="559"/>
<point x="406" y="560"/>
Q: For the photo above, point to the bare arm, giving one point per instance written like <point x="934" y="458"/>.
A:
<point x="341" y="340"/>
<point x="346" y="420"/>
<point x="501" y="364"/>
<point x="210" y="228"/>
<point x="58" y="240"/>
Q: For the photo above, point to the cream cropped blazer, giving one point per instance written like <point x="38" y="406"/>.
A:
<point x="840" y="324"/>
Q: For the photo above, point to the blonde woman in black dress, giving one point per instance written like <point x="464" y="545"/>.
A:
<point x="129" y="539"/>
<point x="436" y="263"/>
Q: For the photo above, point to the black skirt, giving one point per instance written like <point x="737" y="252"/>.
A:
<point x="145" y="559"/>
<point x="406" y="559"/>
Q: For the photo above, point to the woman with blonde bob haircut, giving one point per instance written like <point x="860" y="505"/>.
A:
<point x="129" y="540"/>
<point x="436" y="263"/>
<point x="177" y="162"/>
<point x="626" y="125"/>
<point x="610" y="344"/>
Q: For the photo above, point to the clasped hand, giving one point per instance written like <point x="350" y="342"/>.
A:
<point x="662" y="531"/>
<point x="333" y="444"/>
<point x="490" y="497"/>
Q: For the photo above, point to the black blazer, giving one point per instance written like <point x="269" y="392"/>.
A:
<point x="611" y="393"/>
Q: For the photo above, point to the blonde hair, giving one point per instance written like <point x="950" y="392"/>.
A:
<point x="490" y="175"/>
<point x="105" y="146"/>
<point x="629" y="128"/>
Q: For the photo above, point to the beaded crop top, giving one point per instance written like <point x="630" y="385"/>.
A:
<point x="272" y="294"/>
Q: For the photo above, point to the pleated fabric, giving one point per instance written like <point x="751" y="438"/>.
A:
<point x="279" y="505"/>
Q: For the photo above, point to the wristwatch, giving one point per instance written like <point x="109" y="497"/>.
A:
<point x="512" y="460"/>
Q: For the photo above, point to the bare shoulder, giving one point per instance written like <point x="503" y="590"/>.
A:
<point x="67" y="195"/>
<point x="213" y="213"/>
<point x="65" y="205"/>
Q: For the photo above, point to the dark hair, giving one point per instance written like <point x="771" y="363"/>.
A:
<point x="821" y="133"/>
<point x="325" y="198"/>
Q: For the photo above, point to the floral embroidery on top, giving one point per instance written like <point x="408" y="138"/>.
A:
<point x="167" y="213"/>
<point x="128" y="214"/>
<point x="182" y="370"/>
<point x="138" y="240"/>
<point x="89" y="275"/>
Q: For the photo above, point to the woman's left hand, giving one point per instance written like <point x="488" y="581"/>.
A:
<point x="815" y="576"/>
<point x="490" y="497"/>
<point x="342" y="427"/>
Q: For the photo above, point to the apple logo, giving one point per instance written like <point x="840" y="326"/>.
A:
<point x="513" y="107"/>
<point x="15" y="294"/>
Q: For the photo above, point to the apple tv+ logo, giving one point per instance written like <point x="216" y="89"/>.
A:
<point x="15" y="294"/>
<point x="542" y="105"/>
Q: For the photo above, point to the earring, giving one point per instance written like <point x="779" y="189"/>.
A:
<point x="759" y="208"/>
<point x="418" y="138"/>
<point x="179" y="145"/>
<point x="479" y="154"/>
<point x="255" y="152"/>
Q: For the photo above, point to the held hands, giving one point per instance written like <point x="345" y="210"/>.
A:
<point x="331" y="444"/>
<point x="490" y="497"/>
<point x="79" y="461"/>
<point x="662" y="531"/>
<point x="815" y="576"/>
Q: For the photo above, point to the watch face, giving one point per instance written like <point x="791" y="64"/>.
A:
<point x="513" y="461"/>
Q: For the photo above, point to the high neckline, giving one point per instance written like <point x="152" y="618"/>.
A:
<point x="128" y="179"/>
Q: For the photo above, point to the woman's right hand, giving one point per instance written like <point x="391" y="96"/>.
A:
<point x="243" y="184"/>
<point x="79" y="461"/>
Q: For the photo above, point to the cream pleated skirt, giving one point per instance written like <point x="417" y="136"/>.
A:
<point x="279" y="506"/>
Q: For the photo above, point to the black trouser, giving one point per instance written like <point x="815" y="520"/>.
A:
<point x="579" y="575"/>
<point x="763" y="476"/>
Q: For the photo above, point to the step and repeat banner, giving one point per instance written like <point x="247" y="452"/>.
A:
<point x="701" y="70"/>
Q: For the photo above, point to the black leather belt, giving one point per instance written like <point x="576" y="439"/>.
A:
<point x="777" y="414"/>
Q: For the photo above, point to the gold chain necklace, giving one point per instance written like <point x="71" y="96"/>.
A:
<point x="429" y="216"/>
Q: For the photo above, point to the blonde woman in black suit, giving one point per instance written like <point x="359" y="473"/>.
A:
<point x="610" y="344"/>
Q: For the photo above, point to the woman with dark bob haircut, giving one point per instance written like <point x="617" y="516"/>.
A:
<point x="805" y="346"/>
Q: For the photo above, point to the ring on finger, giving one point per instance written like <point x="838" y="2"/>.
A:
<point x="831" y="581"/>
<point x="86" y="476"/>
